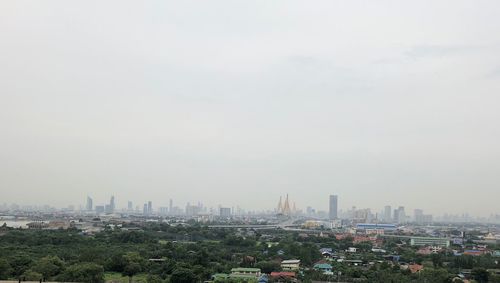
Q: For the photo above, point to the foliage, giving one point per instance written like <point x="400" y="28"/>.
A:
<point x="83" y="272"/>
<point x="163" y="253"/>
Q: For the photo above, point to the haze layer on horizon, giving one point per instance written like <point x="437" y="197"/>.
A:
<point x="239" y="102"/>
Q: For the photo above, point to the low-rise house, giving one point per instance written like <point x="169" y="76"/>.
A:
<point x="290" y="264"/>
<point x="283" y="276"/>
<point x="429" y="250"/>
<point x="37" y="225"/>
<point x="326" y="252"/>
<point x="429" y="241"/>
<point x="415" y="268"/>
<point x="263" y="279"/>
<point x="58" y="225"/>
<point x="240" y="274"/>
<point x="220" y="277"/>
<point x="360" y="239"/>
<point x="355" y="262"/>
<point x="351" y="250"/>
<point x="473" y="252"/>
<point x="323" y="267"/>
<point x="243" y="271"/>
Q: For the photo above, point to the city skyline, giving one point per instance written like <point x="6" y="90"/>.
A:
<point x="384" y="213"/>
<point x="371" y="101"/>
<point x="228" y="141"/>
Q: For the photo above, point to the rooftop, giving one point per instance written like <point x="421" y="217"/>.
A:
<point x="291" y="261"/>
<point x="245" y="269"/>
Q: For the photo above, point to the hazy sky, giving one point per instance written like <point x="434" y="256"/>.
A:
<point x="239" y="102"/>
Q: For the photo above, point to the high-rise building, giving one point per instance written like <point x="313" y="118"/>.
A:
<point x="150" y="207"/>
<point x="192" y="210"/>
<point x="417" y="213"/>
<point x="145" y="209"/>
<point x="400" y="215"/>
<point x="163" y="210"/>
<point x="421" y="218"/>
<point x="333" y="207"/>
<point x="387" y="213"/>
<point x="225" y="212"/>
<point x="171" y="207"/>
<point x="99" y="209"/>
<point x="130" y="206"/>
<point x="89" y="206"/>
<point x="112" y="204"/>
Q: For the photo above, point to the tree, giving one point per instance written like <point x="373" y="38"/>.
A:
<point x="435" y="275"/>
<point x="83" y="272"/>
<point x="20" y="263"/>
<point x="481" y="275"/>
<point x="183" y="275"/>
<point x="30" y="275"/>
<point x="437" y="260"/>
<point x="153" y="279"/>
<point x="133" y="264"/>
<point x="5" y="269"/>
<point x="131" y="269"/>
<point x="48" y="266"/>
<point x="268" y="266"/>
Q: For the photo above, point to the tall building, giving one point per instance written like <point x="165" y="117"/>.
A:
<point x="387" y="213"/>
<point x="192" y="210"/>
<point x="89" y="206"/>
<point x="99" y="209"/>
<point x="225" y="212"/>
<point x="421" y="218"/>
<point x="150" y="207"/>
<point x="130" y="206"/>
<point x="163" y="210"/>
<point x="171" y="207"/>
<point x="333" y="207"/>
<point x="400" y="215"/>
<point x="417" y="213"/>
<point x="112" y="204"/>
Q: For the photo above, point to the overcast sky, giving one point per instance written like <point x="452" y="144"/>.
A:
<point x="239" y="102"/>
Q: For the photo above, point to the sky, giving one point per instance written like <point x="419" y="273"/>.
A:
<point x="238" y="102"/>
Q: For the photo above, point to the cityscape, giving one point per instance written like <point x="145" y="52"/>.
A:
<point x="340" y="246"/>
<point x="225" y="141"/>
<point x="387" y="214"/>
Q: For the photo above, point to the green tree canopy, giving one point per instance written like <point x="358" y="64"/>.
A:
<point x="84" y="272"/>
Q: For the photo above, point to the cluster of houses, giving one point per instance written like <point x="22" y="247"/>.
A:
<point x="290" y="268"/>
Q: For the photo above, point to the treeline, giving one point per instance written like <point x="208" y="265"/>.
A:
<point x="165" y="253"/>
<point x="193" y="253"/>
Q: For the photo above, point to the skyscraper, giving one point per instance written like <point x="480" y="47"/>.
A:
<point x="130" y="206"/>
<point x="171" y="207"/>
<point x="112" y="204"/>
<point x="89" y="206"/>
<point x="387" y="213"/>
<point x="400" y="215"/>
<point x="150" y="207"/>
<point x="225" y="212"/>
<point x="417" y="213"/>
<point x="333" y="207"/>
